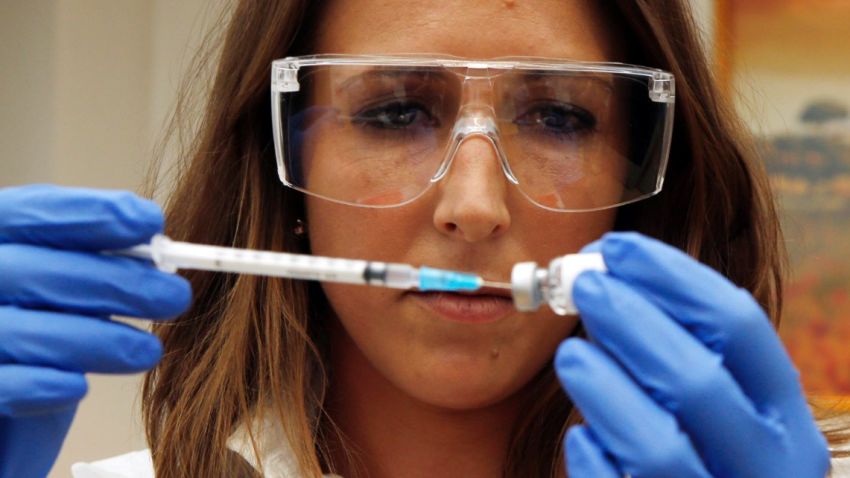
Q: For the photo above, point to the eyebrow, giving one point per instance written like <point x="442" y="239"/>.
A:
<point x="377" y="73"/>
<point x="606" y="80"/>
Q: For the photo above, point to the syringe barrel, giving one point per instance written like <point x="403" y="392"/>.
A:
<point x="171" y="255"/>
<point x="396" y="276"/>
<point x="182" y="255"/>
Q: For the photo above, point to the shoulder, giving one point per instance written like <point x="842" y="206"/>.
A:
<point x="135" y="464"/>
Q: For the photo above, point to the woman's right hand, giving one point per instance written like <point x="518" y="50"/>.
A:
<point x="57" y="293"/>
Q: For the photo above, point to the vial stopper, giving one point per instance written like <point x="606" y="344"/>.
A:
<point x="525" y="287"/>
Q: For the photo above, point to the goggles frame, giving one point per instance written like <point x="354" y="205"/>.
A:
<point x="284" y="79"/>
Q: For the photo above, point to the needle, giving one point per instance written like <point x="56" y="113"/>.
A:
<point x="496" y="285"/>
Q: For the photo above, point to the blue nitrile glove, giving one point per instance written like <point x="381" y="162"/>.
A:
<point x="683" y="377"/>
<point x="56" y="296"/>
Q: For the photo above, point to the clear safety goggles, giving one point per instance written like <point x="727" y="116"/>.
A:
<point x="378" y="131"/>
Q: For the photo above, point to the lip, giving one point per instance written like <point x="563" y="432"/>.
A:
<point x="489" y="291"/>
<point x="470" y="308"/>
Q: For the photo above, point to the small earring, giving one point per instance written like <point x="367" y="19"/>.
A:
<point x="300" y="228"/>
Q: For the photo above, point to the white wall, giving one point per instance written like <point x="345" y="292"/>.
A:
<point x="26" y="96"/>
<point x="86" y="85"/>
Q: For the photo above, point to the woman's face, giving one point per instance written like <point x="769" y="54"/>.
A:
<point x="471" y="220"/>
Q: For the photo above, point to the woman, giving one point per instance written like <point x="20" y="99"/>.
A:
<point x="684" y="375"/>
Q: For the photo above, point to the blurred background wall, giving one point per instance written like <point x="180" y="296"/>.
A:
<point x="787" y="65"/>
<point x="87" y="85"/>
<point x="86" y="88"/>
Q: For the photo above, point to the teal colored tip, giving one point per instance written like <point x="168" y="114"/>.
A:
<point x="438" y="279"/>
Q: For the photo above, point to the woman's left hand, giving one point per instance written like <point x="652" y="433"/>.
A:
<point x="683" y="376"/>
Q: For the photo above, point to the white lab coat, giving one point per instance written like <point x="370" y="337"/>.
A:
<point x="277" y="456"/>
<point x="138" y="465"/>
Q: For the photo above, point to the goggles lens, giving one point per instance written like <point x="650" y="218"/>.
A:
<point x="372" y="134"/>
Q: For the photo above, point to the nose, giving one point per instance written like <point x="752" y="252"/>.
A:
<point x="472" y="194"/>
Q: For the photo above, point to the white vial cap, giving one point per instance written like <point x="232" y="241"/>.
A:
<point x="571" y="266"/>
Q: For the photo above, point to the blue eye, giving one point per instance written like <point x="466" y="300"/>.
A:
<point x="558" y="118"/>
<point x="396" y="115"/>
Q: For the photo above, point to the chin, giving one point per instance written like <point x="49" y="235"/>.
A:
<point x="462" y="400"/>
<point x="463" y="390"/>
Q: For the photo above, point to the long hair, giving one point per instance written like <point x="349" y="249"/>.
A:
<point x="254" y="345"/>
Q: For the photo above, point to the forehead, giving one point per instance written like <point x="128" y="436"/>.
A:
<point x="573" y="29"/>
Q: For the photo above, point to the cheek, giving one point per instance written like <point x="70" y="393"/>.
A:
<point x="338" y="230"/>
<point x="544" y="235"/>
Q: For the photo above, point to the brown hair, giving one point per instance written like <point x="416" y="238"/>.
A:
<point x="252" y="345"/>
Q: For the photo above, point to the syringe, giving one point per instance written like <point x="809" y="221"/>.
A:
<point x="530" y="285"/>
<point x="171" y="255"/>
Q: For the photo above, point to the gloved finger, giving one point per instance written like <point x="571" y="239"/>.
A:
<point x="720" y="315"/>
<point x="74" y="343"/>
<point x="31" y="444"/>
<point x="27" y="390"/>
<point x="643" y="438"/>
<point x="678" y="372"/>
<point x="585" y="457"/>
<point x="76" y="218"/>
<point x="88" y="283"/>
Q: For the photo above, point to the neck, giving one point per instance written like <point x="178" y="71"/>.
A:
<point x="389" y="433"/>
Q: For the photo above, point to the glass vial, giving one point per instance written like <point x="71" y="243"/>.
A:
<point x="531" y="286"/>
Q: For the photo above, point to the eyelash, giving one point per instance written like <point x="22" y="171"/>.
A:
<point x="577" y="120"/>
<point x="372" y="116"/>
<point x="572" y="113"/>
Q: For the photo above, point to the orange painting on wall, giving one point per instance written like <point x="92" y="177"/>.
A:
<point x="788" y="63"/>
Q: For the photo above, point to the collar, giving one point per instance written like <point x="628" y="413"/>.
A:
<point x="272" y="446"/>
